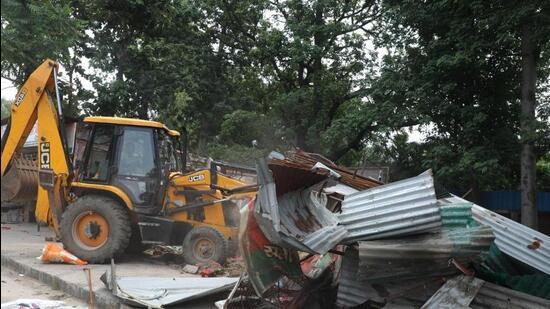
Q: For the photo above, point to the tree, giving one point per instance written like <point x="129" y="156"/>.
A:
<point x="457" y="66"/>
<point x="152" y="56"/>
<point x="314" y="62"/>
<point x="35" y="30"/>
<point x="533" y="26"/>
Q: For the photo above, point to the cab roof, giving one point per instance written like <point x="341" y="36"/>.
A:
<point x="131" y="122"/>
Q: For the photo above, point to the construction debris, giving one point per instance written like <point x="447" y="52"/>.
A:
<point x="471" y="292"/>
<point x="404" y="207"/>
<point x="515" y="239"/>
<point x="211" y="269"/>
<point x="319" y="236"/>
<point x="155" y="292"/>
<point x="190" y="269"/>
<point x="421" y="256"/>
<point x="297" y="219"/>
<point x="157" y="251"/>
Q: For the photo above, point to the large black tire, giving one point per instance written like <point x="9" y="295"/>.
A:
<point x="115" y="216"/>
<point x="195" y="253"/>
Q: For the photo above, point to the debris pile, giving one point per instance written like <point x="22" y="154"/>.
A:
<point x="319" y="235"/>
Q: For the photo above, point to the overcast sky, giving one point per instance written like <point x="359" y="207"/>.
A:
<point x="8" y="90"/>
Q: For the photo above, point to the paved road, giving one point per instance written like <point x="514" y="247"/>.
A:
<point x="15" y="286"/>
<point x="22" y="244"/>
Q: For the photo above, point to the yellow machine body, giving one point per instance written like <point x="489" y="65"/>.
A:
<point x="198" y="199"/>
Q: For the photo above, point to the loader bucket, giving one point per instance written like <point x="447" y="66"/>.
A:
<point x="20" y="183"/>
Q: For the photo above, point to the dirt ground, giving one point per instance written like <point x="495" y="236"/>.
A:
<point x="16" y="287"/>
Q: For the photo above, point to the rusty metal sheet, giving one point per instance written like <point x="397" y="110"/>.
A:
<point x="296" y="219"/>
<point x="516" y="240"/>
<point x="400" y="208"/>
<point x="306" y="161"/>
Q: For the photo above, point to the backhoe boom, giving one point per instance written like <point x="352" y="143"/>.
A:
<point x="33" y="104"/>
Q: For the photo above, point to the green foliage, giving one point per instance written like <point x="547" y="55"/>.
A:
<point x="236" y="153"/>
<point x="6" y="105"/>
<point x="543" y="172"/>
<point x="241" y="127"/>
<point x="304" y="74"/>
<point x="455" y="68"/>
<point x="35" y="30"/>
<point x="313" y="60"/>
<point x="247" y="128"/>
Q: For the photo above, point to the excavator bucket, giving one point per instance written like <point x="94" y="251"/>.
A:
<point x="21" y="181"/>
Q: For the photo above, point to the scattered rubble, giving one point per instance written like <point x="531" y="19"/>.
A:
<point x="155" y="292"/>
<point x="471" y="292"/>
<point x="190" y="269"/>
<point x="162" y="250"/>
<point x="319" y="235"/>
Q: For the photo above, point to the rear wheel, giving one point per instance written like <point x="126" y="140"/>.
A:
<point x="203" y="244"/>
<point x="95" y="228"/>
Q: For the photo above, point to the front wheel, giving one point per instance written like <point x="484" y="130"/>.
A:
<point x="203" y="244"/>
<point x="95" y="228"/>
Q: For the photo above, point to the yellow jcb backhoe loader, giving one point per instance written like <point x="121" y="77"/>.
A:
<point x="128" y="183"/>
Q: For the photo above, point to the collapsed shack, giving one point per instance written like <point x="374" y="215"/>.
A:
<point x="317" y="235"/>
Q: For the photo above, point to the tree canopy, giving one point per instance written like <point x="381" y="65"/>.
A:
<point x="344" y="78"/>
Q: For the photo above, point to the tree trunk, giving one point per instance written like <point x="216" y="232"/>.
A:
<point x="301" y="133"/>
<point x="529" y="216"/>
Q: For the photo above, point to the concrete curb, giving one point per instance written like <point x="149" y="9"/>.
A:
<point x="102" y="299"/>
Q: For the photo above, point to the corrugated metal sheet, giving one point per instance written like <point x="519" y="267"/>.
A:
<point x="515" y="239"/>
<point x="456" y="215"/>
<point x="351" y="292"/>
<point x="424" y="255"/>
<point x="409" y="293"/>
<point x="305" y="161"/>
<point x="400" y="208"/>
<point x="154" y="292"/>
<point x="470" y="292"/>
<point x="297" y="219"/>
<point x="458" y="292"/>
<point x="498" y="297"/>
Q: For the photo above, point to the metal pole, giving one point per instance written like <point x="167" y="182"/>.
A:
<point x="88" y="272"/>
<point x="58" y="96"/>
<point x="61" y="118"/>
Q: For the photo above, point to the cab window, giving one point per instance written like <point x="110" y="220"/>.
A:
<point x="97" y="167"/>
<point x="83" y="132"/>
<point x="137" y="153"/>
<point x="168" y="152"/>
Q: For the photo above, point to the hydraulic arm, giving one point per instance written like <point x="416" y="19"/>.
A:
<point x="34" y="104"/>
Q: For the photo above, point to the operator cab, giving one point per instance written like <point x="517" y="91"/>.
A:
<point x="135" y="156"/>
